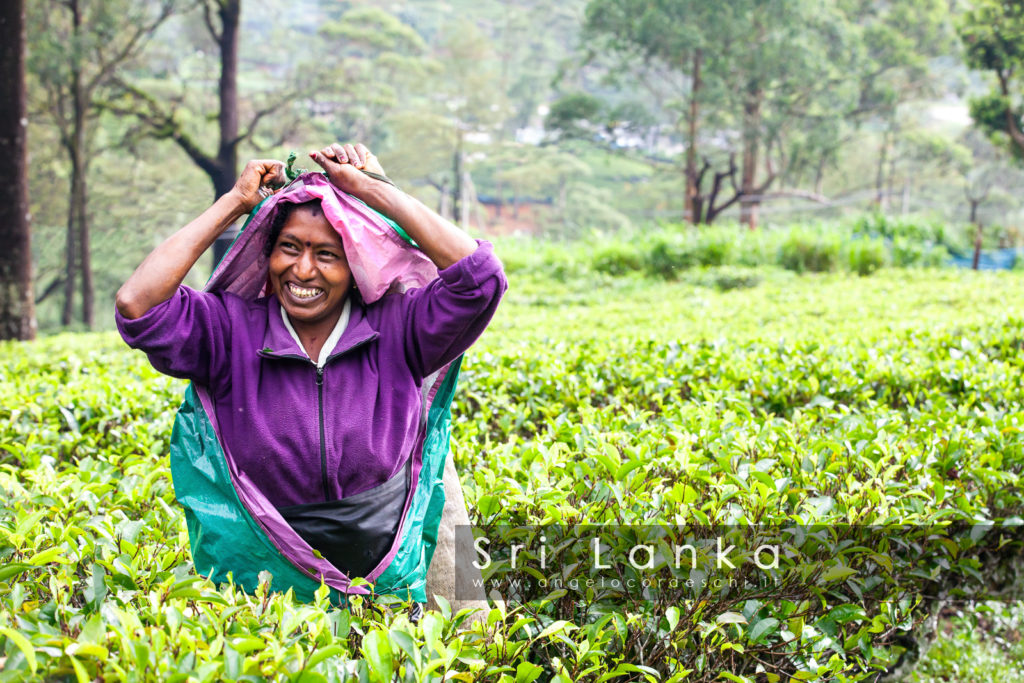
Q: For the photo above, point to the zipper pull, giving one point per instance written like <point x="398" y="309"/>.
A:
<point x="319" y="376"/>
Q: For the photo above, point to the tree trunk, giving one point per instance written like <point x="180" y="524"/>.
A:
<point x="77" y="242"/>
<point x="17" y="308"/>
<point x="84" y="255"/>
<point x="465" y="202"/>
<point x="78" y="259"/>
<point x="691" y="210"/>
<point x="975" y="203"/>
<point x="457" y="175"/>
<point x="563" y="203"/>
<point x="226" y="163"/>
<point x="819" y="175"/>
<point x="227" y="151"/>
<point x="890" y="180"/>
<point x="444" y="200"/>
<point x="223" y="180"/>
<point x="883" y="155"/>
<point x="499" y="194"/>
<point x="70" y="258"/>
<point x="977" y="243"/>
<point x="751" y="139"/>
<point x="78" y="220"/>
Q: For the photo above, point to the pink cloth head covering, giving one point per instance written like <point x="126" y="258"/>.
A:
<point x="380" y="258"/>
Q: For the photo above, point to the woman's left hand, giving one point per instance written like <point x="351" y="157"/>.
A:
<point x="343" y="164"/>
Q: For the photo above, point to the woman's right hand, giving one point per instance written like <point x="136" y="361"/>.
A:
<point x="160" y="274"/>
<point x="258" y="173"/>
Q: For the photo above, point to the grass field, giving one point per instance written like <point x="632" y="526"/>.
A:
<point x="731" y="396"/>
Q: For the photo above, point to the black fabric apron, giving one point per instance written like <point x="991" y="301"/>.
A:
<point x="354" y="533"/>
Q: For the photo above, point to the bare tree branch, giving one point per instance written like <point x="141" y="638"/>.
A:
<point x="286" y="132"/>
<point x="54" y="286"/>
<point x="144" y="30"/>
<point x="809" y="195"/>
<point x="208" y="20"/>
<point x="1011" y="123"/>
<point x="716" y="187"/>
<point x="258" y="116"/>
<point x="161" y="124"/>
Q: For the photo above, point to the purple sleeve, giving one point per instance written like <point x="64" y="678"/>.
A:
<point x="186" y="336"/>
<point x="444" y="318"/>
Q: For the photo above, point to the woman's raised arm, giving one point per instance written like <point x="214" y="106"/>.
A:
<point x="440" y="240"/>
<point x="442" y="319"/>
<point x="160" y="274"/>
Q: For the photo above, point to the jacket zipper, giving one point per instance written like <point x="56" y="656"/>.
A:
<point x="323" y="436"/>
<point x="267" y="353"/>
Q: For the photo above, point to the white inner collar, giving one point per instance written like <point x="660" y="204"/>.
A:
<point x="332" y="340"/>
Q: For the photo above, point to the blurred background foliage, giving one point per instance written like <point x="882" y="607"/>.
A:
<point x="592" y="121"/>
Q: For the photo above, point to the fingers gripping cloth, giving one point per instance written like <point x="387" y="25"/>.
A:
<point x="233" y="528"/>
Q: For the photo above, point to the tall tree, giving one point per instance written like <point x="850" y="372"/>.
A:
<point x="160" y="114"/>
<point x="17" y="310"/>
<point x="465" y="110"/>
<point x="475" y="104"/>
<point x="748" y="70"/>
<point x="382" y="63"/>
<point x="763" y="84"/>
<point x="993" y="34"/>
<point x="670" y="44"/>
<point x="895" y="43"/>
<point x="80" y="46"/>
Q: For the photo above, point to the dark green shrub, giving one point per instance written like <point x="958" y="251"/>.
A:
<point x="907" y="253"/>
<point x="804" y="251"/>
<point x="756" y="248"/>
<point x="865" y="256"/>
<point x="617" y="258"/>
<point x="537" y="257"/>
<point x="715" y="247"/>
<point x="726" y="278"/>
<point x="893" y="227"/>
<point x="562" y="264"/>
<point x="668" y="255"/>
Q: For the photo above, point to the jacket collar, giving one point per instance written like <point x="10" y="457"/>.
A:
<point x="279" y="343"/>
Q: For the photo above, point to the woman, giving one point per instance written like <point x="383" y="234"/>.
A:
<point x="318" y="396"/>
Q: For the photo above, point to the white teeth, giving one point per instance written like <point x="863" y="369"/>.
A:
<point x="302" y="292"/>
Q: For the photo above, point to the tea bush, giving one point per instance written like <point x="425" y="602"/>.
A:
<point x="862" y="246"/>
<point x="890" y="399"/>
<point x="807" y="251"/>
<point x="908" y="253"/>
<point x="866" y="256"/>
<point x="669" y="254"/>
<point x="618" y="259"/>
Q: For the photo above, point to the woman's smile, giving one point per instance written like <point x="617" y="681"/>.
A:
<point x="304" y="294"/>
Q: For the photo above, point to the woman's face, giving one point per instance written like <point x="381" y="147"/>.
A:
<point x="308" y="269"/>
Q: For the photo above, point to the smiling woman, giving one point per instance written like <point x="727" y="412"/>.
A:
<point x="319" y="397"/>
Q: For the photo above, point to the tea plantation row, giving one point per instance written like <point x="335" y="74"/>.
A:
<point x="862" y="245"/>
<point x="829" y="404"/>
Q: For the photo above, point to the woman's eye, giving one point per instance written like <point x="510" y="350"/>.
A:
<point x="328" y="255"/>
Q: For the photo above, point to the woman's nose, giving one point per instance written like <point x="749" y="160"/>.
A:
<point x="305" y="267"/>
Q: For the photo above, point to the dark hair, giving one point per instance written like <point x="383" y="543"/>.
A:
<point x="284" y="212"/>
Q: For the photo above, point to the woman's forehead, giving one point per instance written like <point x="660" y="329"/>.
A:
<point x="312" y="228"/>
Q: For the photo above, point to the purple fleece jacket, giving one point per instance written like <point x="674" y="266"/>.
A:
<point x="265" y="389"/>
